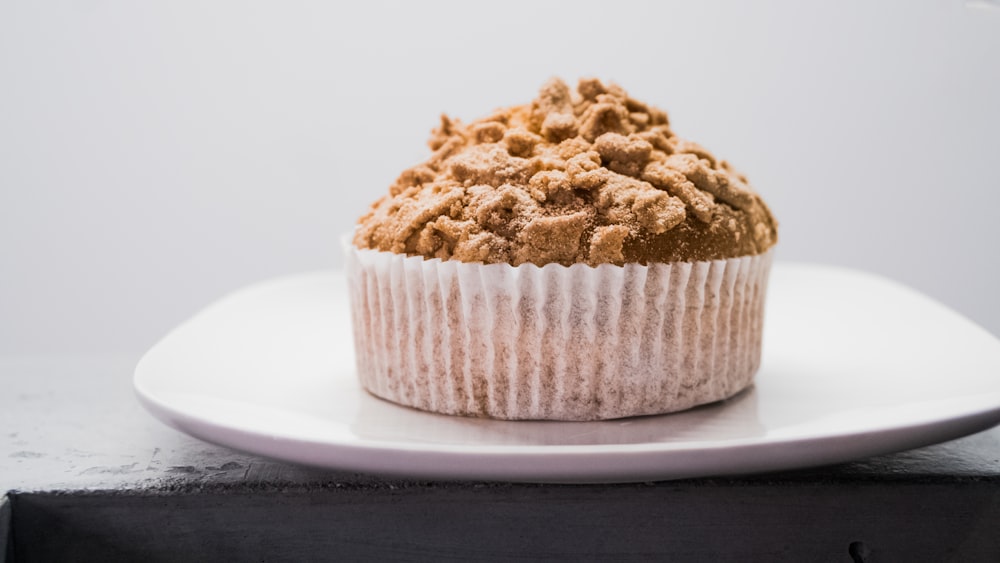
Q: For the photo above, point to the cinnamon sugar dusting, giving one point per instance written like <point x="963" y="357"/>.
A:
<point x="589" y="176"/>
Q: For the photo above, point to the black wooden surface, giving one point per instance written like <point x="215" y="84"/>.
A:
<point x="6" y="540"/>
<point x="92" y="477"/>
<point x="696" y="521"/>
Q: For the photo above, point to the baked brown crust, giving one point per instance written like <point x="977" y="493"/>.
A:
<point x="587" y="176"/>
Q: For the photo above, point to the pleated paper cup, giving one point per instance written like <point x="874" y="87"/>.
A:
<point x="555" y="342"/>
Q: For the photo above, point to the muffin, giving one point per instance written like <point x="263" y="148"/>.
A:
<point x="567" y="259"/>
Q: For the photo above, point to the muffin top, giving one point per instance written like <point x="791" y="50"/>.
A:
<point x="588" y="176"/>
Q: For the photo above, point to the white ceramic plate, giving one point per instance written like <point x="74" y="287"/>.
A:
<point x="854" y="365"/>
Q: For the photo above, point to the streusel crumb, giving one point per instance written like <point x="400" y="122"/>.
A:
<point x="589" y="176"/>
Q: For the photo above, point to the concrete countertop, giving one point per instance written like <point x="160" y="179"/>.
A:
<point x="89" y="474"/>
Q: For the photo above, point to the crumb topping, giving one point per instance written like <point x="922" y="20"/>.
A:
<point x="591" y="176"/>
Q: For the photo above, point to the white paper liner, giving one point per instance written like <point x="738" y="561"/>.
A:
<point x="555" y="342"/>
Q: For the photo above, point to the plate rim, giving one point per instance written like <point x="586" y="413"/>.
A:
<point x="609" y="458"/>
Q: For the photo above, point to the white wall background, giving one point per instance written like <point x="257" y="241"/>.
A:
<point x="156" y="155"/>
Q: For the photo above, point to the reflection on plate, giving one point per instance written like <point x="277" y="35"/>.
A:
<point x="854" y="365"/>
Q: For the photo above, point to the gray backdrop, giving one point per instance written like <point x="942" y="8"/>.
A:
<point x="155" y="156"/>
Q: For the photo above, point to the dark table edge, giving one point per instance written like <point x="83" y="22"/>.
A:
<point x="868" y="495"/>
<point x="6" y="539"/>
<point x="824" y="476"/>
